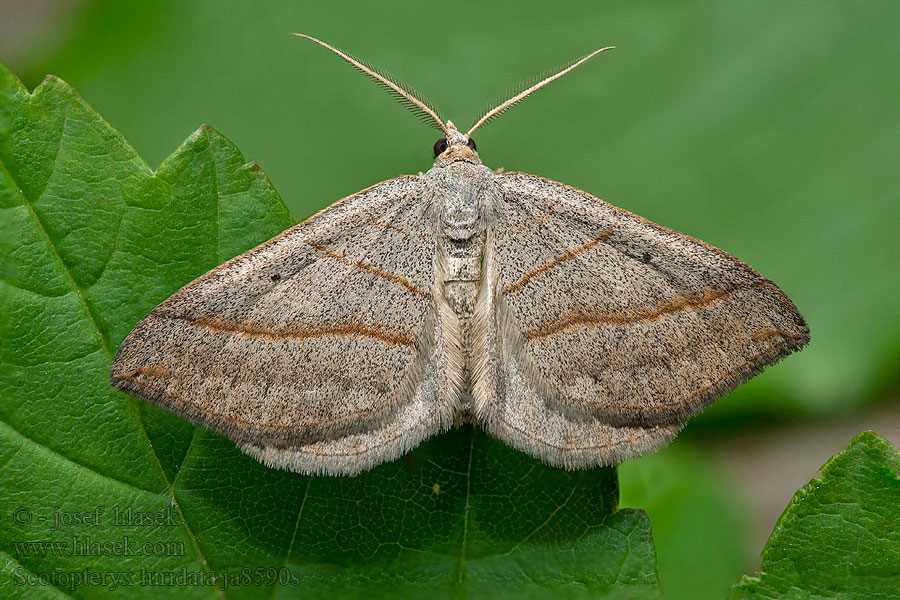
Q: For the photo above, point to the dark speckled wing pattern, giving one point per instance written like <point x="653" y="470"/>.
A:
<point x="317" y="335"/>
<point x="611" y="327"/>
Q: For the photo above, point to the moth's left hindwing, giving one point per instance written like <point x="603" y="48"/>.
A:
<point x="321" y="335"/>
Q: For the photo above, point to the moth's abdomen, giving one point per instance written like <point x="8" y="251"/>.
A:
<point x="459" y="284"/>
<point x="460" y="245"/>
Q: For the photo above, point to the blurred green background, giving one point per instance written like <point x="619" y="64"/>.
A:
<point x="770" y="129"/>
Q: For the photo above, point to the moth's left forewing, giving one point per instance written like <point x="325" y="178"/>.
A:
<point x="326" y="333"/>
<point x="618" y="319"/>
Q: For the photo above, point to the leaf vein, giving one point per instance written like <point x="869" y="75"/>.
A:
<point x="546" y="521"/>
<point x="48" y="584"/>
<point x="75" y="462"/>
<point x="466" y="508"/>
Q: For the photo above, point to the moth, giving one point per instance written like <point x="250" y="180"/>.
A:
<point x="573" y="330"/>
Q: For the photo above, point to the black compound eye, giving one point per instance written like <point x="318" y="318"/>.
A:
<point x="440" y="146"/>
<point x="471" y="144"/>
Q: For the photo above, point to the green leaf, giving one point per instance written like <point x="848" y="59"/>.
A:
<point x="101" y="492"/>
<point x="840" y="535"/>
<point x="700" y="525"/>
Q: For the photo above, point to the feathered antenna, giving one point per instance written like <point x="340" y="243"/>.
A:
<point x="518" y="93"/>
<point x="406" y="95"/>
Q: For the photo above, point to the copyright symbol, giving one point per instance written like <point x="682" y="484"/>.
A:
<point x="22" y="516"/>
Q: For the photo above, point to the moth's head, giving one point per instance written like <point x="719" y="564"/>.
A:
<point x="455" y="146"/>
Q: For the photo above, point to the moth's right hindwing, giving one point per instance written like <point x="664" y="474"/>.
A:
<point x="321" y="333"/>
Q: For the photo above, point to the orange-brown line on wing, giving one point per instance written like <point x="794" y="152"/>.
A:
<point x="764" y="334"/>
<point x="155" y="371"/>
<point x="577" y="318"/>
<point x="784" y="337"/>
<point x="718" y="380"/>
<point x="373" y="332"/>
<point x="370" y="268"/>
<point x="376" y="223"/>
<point x="567" y="255"/>
<point x="760" y="335"/>
<point x="532" y="223"/>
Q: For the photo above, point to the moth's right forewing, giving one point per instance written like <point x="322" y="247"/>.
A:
<point x="515" y="404"/>
<point x="622" y="320"/>
<point x="320" y="333"/>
